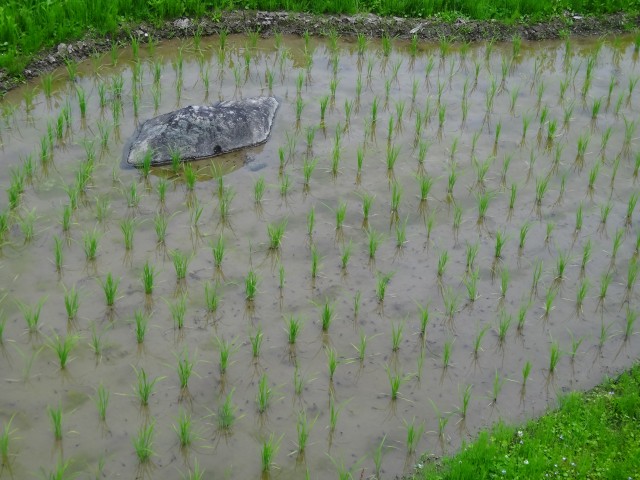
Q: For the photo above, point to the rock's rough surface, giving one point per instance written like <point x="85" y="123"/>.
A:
<point x="202" y="131"/>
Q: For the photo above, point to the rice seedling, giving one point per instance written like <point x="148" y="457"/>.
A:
<point x="614" y="170"/>
<point x="110" y="289"/>
<point x="414" y="434"/>
<point x="483" y="200"/>
<point x="631" y="206"/>
<point x="561" y="263"/>
<point x="27" y="224"/>
<point x="579" y="218"/>
<point x="303" y="429"/>
<point x="481" y="168"/>
<point x="184" y="369"/>
<point x="332" y="362"/>
<point x="618" y="238"/>
<point x="526" y="121"/>
<point x="144" y="388"/>
<point x="184" y="430"/>
<point x="504" y="281"/>
<point x="367" y="202"/>
<point x="148" y="277"/>
<point x="583" y="143"/>
<point x="31" y="314"/>
<point x="477" y="342"/>
<point x="293" y="327"/>
<point x="501" y="239"/>
<point x="269" y="452"/>
<point x="442" y="263"/>
<point x="226" y="349"/>
<point x="447" y="348"/>
<point x="327" y="315"/>
<point x="58" y="253"/>
<point x="503" y="327"/>
<point x="63" y="347"/>
<point x="47" y="85"/>
<point x="211" y="298"/>
<point x="311" y="220"/>
<point x="256" y="342"/>
<point x="526" y="372"/>
<point x="537" y="273"/>
<point x="471" y="252"/>
<point x="373" y="241"/>
<point x="180" y="263"/>
<point x="143" y="442"/>
<point x="542" y="184"/>
<point x="633" y="268"/>
<point x="630" y="320"/>
<point x="346" y="255"/>
<point x="160" y="222"/>
<point x="554" y="357"/>
<point x="341" y="213"/>
<point x="524" y="231"/>
<point x="258" y="190"/>
<point x="451" y="181"/>
<point x="396" y="197"/>
<point x="396" y="380"/>
<point x="498" y="382"/>
<point x="361" y="348"/>
<point x="324" y="101"/>
<point x="178" y="310"/>
<point x="392" y="157"/>
<point x="308" y="167"/>
<point x="629" y="131"/>
<point x="396" y="336"/>
<point x="141" y="321"/>
<point x="102" y="402"/>
<point x="382" y="281"/>
<point x="66" y="217"/>
<point x="56" y="415"/>
<point x="96" y="342"/>
<point x="605" y="209"/>
<point x="356" y="303"/>
<point x="471" y="285"/>
<point x="275" y="231"/>
<point x="548" y="301"/>
<point x="128" y="227"/>
<point x="575" y="345"/>
<point x="132" y="196"/>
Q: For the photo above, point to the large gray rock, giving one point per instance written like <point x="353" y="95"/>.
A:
<point x="202" y="131"/>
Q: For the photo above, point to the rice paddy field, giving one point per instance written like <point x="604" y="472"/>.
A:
<point x="434" y="237"/>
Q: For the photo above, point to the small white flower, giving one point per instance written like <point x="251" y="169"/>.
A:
<point x="526" y="462"/>
<point x="564" y="459"/>
<point x="504" y="471"/>
<point x="520" y="433"/>
<point x="420" y="466"/>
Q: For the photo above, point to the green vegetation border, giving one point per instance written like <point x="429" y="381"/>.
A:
<point x="27" y="27"/>
<point x="592" y="435"/>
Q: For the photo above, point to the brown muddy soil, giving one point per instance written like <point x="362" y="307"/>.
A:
<point x="268" y="23"/>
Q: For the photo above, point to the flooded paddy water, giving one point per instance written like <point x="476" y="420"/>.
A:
<point x="495" y="269"/>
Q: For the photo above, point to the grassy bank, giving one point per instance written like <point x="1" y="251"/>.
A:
<point x="26" y="26"/>
<point x="592" y="435"/>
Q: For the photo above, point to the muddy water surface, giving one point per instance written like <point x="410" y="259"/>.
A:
<point x="454" y="115"/>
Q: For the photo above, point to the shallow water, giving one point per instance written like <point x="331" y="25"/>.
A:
<point x="30" y="370"/>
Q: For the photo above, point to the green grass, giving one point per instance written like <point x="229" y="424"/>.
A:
<point x="28" y="26"/>
<point x="590" y="435"/>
